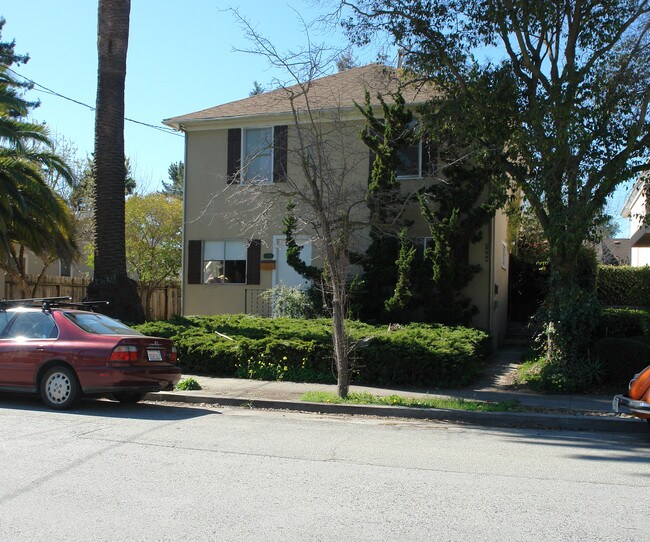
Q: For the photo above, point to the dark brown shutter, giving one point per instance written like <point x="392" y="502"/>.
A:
<point x="429" y="158"/>
<point x="234" y="155"/>
<point x="194" y="262"/>
<point x="253" y="262"/>
<point x="280" y="152"/>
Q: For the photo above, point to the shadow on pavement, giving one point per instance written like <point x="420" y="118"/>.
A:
<point x="110" y="409"/>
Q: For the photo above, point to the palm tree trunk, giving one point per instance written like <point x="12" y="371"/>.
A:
<point x="110" y="282"/>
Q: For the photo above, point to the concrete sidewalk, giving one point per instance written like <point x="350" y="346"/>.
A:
<point x="577" y="412"/>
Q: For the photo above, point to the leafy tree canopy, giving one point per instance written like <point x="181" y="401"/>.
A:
<point x="564" y="112"/>
<point x="32" y="216"/>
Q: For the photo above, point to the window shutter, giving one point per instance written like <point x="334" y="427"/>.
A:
<point x="280" y="152"/>
<point x="194" y="262"/>
<point x="429" y="158"/>
<point x="234" y="155"/>
<point x="253" y="262"/>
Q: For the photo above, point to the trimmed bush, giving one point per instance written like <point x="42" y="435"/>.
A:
<point x="623" y="285"/>
<point x="624" y="322"/>
<point x="301" y="350"/>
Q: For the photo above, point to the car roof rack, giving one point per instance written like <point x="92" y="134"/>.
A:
<point x="48" y="303"/>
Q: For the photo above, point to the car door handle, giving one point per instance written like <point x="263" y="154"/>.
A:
<point x="40" y="348"/>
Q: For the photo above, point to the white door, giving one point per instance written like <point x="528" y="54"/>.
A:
<point x="284" y="273"/>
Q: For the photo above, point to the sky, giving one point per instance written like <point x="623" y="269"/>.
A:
<point x="182" y="58"/>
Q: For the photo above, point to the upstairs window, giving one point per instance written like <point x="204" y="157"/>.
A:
<point x="257" y="155"/>
<point x="410" y="161"/>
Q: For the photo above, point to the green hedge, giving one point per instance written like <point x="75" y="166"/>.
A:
<point x="623" y="285"/>
<point x="624" y="322"/>
<point x="301" y="350"/>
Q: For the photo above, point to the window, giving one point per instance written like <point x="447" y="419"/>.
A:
<point x="232" y="260"/>
<point x="99" y="324"/>
<point x="504" y="255"/>
<point x="64" y="269"/>
<point x="257" y="154"/>
<point x="257" y="163"/>
<point x="33" y="325"/>
<point x="410" y="159"/>
<point x="224" y="262"/>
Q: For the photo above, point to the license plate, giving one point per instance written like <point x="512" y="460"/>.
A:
<point x="154" y="355"/>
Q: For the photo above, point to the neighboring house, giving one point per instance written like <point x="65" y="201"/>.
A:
<point x="226" y="265"/>
<point x="636" y="209"/>
<point x="614" y="251"/>
<point x="58" y="268"/>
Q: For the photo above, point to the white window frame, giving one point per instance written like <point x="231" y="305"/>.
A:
<point x="209" y="272"/>
<point x="244" y="156"/>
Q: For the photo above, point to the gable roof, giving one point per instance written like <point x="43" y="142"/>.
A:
<point x="615" y="251"/>
<point x="340" y="90"/>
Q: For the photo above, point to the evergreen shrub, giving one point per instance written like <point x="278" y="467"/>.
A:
<point x="623" y="285"/>
<point x="301" y="350"/>
<point x="624" y="322"/>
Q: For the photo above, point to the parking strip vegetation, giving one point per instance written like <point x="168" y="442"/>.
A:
<point x="398" y="400"/>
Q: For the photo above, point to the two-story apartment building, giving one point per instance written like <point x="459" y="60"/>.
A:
<point x="234" y="247"/>
<point x="636" y="210"/>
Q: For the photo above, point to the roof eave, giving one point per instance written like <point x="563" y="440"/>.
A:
<point x="179" y="123"/>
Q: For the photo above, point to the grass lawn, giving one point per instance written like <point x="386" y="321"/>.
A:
<point x="398" y="400"/>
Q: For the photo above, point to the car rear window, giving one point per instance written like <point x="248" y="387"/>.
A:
<point x="99" y="324"/>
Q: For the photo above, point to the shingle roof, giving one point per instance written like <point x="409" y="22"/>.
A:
<point x="339" y="90"/>
<point x="615" y="251"/>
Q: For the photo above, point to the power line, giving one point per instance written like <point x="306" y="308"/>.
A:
<point x="46" y="90"/>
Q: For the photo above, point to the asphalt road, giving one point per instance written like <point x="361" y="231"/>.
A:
<point x="166" y="472"/>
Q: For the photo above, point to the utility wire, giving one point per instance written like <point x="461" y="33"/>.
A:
<point x="45" y="90"/>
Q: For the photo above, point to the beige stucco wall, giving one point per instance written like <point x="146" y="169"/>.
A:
<point x="215" y="210"/>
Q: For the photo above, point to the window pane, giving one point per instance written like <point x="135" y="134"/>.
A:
<point x="258" y="158"/>
<point x="235" y="271"/>
<point x="99" y="324"/>
<point x="33" y="325"/>
<point x="213" y="250"/>
<point x="235" y="250"/>
<point x="409" y="161"/>
<point x="5" y="317"/>
<point x="213" y="271"/>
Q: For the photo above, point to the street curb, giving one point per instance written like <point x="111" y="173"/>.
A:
<point x="493" y="419"/>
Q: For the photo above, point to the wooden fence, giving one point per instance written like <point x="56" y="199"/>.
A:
<point x="165" y="300"/>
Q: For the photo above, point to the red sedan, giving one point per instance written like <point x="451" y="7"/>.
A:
<point x="64" y="353"/>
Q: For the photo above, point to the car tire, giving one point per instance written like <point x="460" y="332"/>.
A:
<point x="59" y="388"/>
<point x="128" y="397"/>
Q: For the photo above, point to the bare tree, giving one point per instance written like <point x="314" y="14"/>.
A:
<point x="328" y="201"/>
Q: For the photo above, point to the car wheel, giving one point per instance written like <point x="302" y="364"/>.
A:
<point x="129" y="397"/>
<point x="59" y="388"/>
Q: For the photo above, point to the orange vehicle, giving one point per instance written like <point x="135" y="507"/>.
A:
<point x="637" y="400"/>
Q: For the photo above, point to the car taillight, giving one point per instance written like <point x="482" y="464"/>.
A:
<point x="173" y="355"/>
<point x="123" y="354"/>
